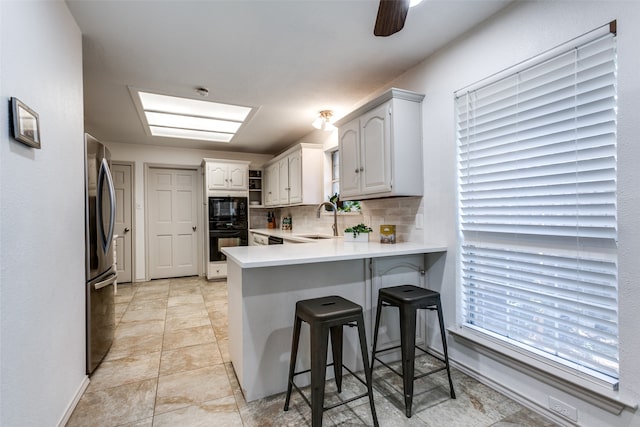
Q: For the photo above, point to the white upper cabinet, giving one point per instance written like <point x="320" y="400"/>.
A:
<point x="272" y="184"/>
<point x="381" y="148"/>
<point x="283" y="181"/>
<point x="295" y="176"/>
<point x="226" y="174"/>
<point x="349" y="138"/>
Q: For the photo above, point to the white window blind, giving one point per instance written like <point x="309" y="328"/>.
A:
<point x="537" y="206"/>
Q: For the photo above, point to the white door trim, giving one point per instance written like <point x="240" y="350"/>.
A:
<point x="200" y="215"/>
<point x="133" y="215"/>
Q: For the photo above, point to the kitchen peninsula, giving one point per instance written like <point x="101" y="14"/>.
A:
<point x="264" y="283"/>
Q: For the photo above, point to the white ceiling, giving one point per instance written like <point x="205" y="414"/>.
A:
<point x="289" y="59"/>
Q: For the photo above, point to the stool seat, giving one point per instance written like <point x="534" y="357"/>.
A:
<point x="408" y="299"/>
<point x="326" y="309"/>
<point x="327" y="316"/>
<point x="409" y="294"/>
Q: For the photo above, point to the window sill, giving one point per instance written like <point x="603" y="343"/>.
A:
<point x="600" y="393"/>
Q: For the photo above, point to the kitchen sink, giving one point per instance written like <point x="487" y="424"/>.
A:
<point x="314" y="236"/>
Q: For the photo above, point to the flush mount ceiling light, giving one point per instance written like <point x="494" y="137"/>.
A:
<point x="323" y="122"/>
<point x="174" y="117"/>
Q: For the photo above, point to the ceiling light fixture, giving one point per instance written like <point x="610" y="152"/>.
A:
<point x="186" y="118"/>
<point x="323" y="122"/>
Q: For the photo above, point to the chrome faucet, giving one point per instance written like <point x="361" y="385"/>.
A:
<point x="335" y="215"/>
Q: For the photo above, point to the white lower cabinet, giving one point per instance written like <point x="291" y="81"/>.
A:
<point x="217" y="270"/>
<point x="257" y="239"/>
<point x="385" y="273"/>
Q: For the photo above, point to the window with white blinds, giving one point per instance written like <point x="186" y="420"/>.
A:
<point x="537" y="205"/>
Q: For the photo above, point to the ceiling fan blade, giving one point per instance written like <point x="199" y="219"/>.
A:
<point x="391" y="17"/>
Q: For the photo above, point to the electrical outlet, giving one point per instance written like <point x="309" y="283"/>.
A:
<point x="563" y="409"/>
<point x="419" y="221"/>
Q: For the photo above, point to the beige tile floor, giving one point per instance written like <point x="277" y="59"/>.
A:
<point x="169" y="366"/>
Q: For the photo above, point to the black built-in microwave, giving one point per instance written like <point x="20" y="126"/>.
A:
<point x="228" y="210"/>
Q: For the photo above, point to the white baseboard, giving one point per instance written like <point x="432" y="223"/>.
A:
<point x="512" y="394"/>
<point x="74" y="402"/>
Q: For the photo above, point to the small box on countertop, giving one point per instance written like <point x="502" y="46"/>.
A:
<point x="387" y="233"/>
<point x="287" y="223"/>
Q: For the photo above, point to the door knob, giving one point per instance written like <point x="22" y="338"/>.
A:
<point x="127" y="229"/>
<point x="194" y="228"/>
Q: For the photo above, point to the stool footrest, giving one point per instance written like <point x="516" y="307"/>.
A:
<point x="427" y="352"/>
<point x="306" y="371"/>
<point x="344" y="402"/>
<point x="388" y="367"/>
<point x="435" y="356"/>
<point x="337" y="404"/>
<point x="433" y="371"/>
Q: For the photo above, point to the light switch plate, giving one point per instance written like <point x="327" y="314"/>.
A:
<point x="419" y="221"/>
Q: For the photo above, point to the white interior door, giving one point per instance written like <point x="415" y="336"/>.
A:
<point x="173" y="219"/>
<point x="122" y="174"/>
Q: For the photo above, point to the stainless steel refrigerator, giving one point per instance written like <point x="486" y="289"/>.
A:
<point x="100" y="211"/>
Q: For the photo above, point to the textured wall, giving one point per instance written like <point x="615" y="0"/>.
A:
<point x="524" y="30"/>
<point x="42" y="274"/>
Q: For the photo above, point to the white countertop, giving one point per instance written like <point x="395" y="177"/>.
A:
<point x="325" y="250"/>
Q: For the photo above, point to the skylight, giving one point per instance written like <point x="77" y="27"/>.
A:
<point x="174" y="117"/>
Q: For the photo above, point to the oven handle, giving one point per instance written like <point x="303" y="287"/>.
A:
<point x="223" y="233"/>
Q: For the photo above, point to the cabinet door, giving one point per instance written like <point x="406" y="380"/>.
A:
<point x="217" y="176"/>
<point x="295" y="177"/>
<point x="349" y="144"/>
<point x="283" y="181"/>
<point x="375" y="143"/>
<point x="272" y="185"/>
<point x="238" y="177"/>
<point x="396" y="271"/>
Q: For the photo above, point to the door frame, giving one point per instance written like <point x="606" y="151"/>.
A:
<point x="199" y="213"/>
<point x="132" y="165"/>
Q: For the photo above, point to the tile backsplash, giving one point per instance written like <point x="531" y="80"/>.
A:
<point x="400" y="211"/>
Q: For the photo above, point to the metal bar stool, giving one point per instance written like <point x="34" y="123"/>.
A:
<point x="409" y="299"/>
<point x="324" y="315"/>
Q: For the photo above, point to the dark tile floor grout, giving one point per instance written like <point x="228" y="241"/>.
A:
<point x="169" y="365"/>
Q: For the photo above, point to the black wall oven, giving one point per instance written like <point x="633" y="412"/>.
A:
<point x="228" y="225"/>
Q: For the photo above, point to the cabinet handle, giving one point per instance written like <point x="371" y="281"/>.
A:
<point x="361" y="168"/>
<point x="194" y="228"/>
<point x="357" y="170"/>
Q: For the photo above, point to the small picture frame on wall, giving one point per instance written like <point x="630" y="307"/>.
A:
<point x="26" y="125"/>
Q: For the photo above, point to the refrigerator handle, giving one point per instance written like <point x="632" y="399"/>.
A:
<point x="104" y="171"/>
<point x="106" y="282"/>
<point x="112" y="204"/>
